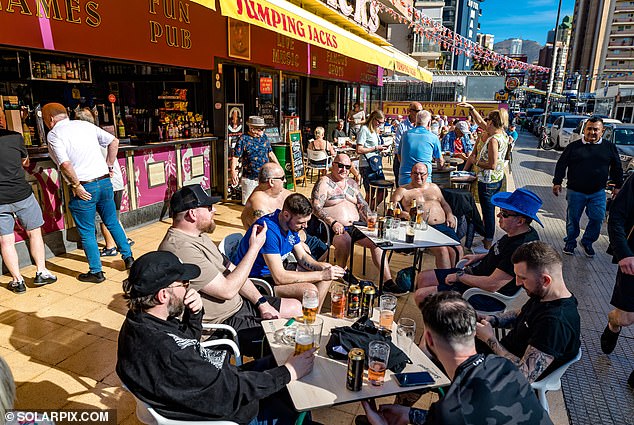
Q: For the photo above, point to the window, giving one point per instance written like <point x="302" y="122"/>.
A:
<point x="472" y="14"/>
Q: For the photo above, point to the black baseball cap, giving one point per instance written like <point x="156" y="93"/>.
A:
<point x="157" y="270"/>
<point x="189" y="197"/>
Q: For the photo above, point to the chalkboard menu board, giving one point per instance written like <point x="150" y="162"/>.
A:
<point x="273" y="134"/>
<point x="295" y="140"/>
<point x="267" y="111"/>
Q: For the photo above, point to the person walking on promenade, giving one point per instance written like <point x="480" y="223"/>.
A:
<point x="490" y="162"/>
<point x="18" y="201"/>
<point x="369" y="149"/>
<point x="588" y="162"/>
<point x="74" y="147"/>
<point x="419" y="145"/>
<point x="621" y="232"/>
<point x="255" y="150"/>
<point x="403" y="127"/>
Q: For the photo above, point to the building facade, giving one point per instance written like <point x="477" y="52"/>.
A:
<point x="462" y="17"/>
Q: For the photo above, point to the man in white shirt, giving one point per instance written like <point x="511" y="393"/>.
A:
<point x="74" y="147"/>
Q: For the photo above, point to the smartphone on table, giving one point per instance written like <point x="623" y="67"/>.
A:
<point x="413" y="379"/>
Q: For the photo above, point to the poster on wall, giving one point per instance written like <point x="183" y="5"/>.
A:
<point x="234" y="129"/>
<point x="239" y="39"/>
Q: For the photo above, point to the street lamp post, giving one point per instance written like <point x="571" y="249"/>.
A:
<point x="552" y="67"/>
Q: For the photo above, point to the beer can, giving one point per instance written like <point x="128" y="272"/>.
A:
<point x="354" y="301"/>
<point x="367" y="300"/>
<point x="354" y="377"/>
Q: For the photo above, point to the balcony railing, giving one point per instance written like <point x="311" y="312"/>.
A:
<point x="426" y="47"/>
<point x="624" y="55"/>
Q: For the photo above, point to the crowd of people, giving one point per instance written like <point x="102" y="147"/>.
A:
<point x="188" y="281"/>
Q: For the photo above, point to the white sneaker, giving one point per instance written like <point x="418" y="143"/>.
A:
<point x="44" y="278"/>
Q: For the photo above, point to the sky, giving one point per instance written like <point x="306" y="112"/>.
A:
<point x="526" y="19"/>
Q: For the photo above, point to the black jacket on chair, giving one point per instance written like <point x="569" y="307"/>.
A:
<point x="464" y="208"/>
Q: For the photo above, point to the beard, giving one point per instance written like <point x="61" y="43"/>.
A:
<point x="175" y="307"/>
<point x="207" y="227"/>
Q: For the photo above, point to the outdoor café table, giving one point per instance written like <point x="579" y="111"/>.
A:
<point x="429" y="238"/>
<point x="325" y="385"/>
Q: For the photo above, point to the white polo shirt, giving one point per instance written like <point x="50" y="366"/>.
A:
<point x="80" y="143"/>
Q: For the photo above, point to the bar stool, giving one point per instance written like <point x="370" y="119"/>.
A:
<point x="383" y="187"/>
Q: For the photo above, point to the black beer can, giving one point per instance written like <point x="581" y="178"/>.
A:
<point x="354" y="377"/>
<point x="367" y="300"/>
<point x="354" y="301"/>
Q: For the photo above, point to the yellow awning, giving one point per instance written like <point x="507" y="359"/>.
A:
<point x="285" y="18"/>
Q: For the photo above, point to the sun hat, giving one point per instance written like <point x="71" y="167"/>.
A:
<point x="463" y="126"/>
<point x="521" y="201"/>
<point x="255" y="121"/>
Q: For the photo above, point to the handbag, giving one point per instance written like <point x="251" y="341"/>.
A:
<point x="375" y="163"/>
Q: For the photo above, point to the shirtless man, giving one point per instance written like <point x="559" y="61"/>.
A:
<point x="269" y="196"/>
<point x="337" y="200"/>
<point x="440" y="215"/>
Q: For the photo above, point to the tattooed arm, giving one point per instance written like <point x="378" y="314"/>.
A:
<point x="362" y="205"/>
<point x="532" y="364"/>
<point x="319" y="197"/>
<point x="503" y="320"/>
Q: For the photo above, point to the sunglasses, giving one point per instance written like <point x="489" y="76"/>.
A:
<point x="342" y="165"/>
<point x="379" y="121"/>
<point x="184" y="284"/>
<point x="507" y="214"/>
<point x="278" y="178"/>
<point x="419" y="174"/>
<point x="415" y="110"/>
<point x="487" y="119"/>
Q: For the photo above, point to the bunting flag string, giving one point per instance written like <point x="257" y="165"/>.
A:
<point x="450" y="41"/>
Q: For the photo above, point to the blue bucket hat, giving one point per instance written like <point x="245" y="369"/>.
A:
<point x="521" y="201"/>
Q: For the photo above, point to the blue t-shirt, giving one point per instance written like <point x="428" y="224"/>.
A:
<point x="418" y="145"/>
<point x="277" y="242"/>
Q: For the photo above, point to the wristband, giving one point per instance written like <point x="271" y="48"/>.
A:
<point x="75" y="186"/>
<point x="261" y="301"/>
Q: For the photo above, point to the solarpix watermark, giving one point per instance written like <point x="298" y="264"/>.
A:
<point x="61" y="417"/>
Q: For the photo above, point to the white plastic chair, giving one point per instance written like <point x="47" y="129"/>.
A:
<point x="552" y="382"/>
<point x="509" y="302"/>
<point x="314" y="160"/>
<point x="229" y="244"/>
<point x="232" y="343"/>
<point x="147" y="415"/>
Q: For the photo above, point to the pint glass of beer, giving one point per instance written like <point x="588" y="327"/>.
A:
<point x="372" y="217"/>
<point x="387" y="305"/>
<point x="338" y="300"/>
<point x="378" y="355"/>
<point x="310" y="304"/>
<point x="304" y="338"/>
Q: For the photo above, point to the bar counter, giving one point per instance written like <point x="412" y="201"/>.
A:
<point x="151" y="172"/>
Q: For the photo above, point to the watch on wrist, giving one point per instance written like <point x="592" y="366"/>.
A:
<point x="261" y="301"/>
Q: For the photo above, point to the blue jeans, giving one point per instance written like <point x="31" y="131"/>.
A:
<point x="83" y="213"/>
<point x="594" y="204"/>
<point x="485" y="193"/>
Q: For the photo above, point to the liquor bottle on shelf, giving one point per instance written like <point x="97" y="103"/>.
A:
<point x="120" y="129"/>
<point x="26" y="134"/>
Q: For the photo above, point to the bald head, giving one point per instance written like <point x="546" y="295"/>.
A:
<point x="54" y="112"/>
<point x="270" y="170"/>
<point x="423" y="118"/>
<point x="414" y="107"/>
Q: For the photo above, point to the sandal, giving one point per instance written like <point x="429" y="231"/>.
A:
<point x="109" y="252"/>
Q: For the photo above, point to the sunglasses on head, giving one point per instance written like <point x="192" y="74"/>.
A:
<point x="342" y="165"/>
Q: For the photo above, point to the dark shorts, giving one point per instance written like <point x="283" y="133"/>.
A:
<point x="623" y="294"/>
<point x="446" y="230"/>
<point x="479" y="302"/>
<point x="317" y="246"/>
<point x="247" y="323"/>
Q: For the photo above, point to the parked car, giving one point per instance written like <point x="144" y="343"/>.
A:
<point x="562" y="129"/>
<point x="552" y="117"/>
<point x="578" y="132"/>
<point x="536" y="124"/>
<point x="622" y="135"/>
